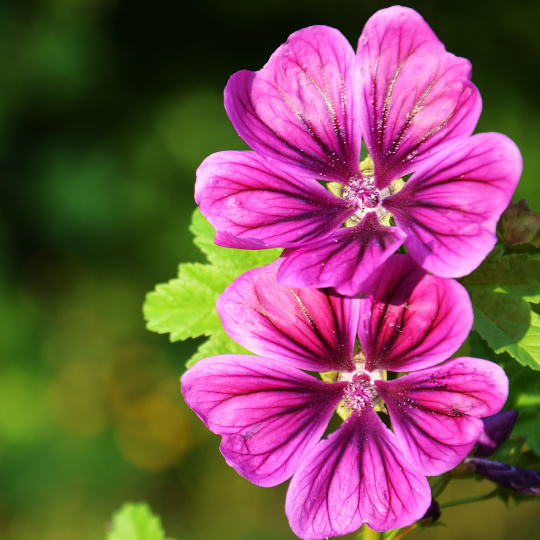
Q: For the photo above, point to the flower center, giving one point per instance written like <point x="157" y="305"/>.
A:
<point x="362" y="193"/>
<point x="360" y="391"/>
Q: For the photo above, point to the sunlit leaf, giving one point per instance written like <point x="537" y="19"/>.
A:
<point x="219" y="343"/>
<point x="136" y="522"/>
<point x="501" y="289"/>
<point x="185" y="306"/>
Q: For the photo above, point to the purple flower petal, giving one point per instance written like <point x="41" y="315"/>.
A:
<point x="298" y="110"/>
<point x="449" y="208"/>
<point x="409" y="319"/>
<point x="356" y="475"/>
<point x="344" y="260"/>
<point x="436" y="412"/>
<point x="311" y="329"/>
<point x="414" y="94"/>
<point x="245" y="195"/>
<point x="226" y="239"/>
<point x="497" y="429"/>
<point x="523" y="480"/>
<point x="270" y="414"/>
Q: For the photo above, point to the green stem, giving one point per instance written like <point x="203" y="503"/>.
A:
<point x="403" y="532"/>
<point x="400" y="533"/>
<point x="439" y="486"/>
<point x="489" y="495"/>
<point x="370" y="534"/>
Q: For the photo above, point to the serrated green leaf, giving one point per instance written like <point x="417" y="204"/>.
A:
<point x="508" y="325"/>
<point x="517" y="275"/>
<point x="136" y="522"/>
<point x="219" y="343"/>
<point x="500" y="290"/>
<point x="185" y="306"/>
<point x="204" y="235"/>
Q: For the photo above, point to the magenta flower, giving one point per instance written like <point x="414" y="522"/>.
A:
<point x="273" y="416"/>
<point x="304" y="115"/>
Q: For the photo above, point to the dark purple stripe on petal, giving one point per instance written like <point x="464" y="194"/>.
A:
<point x="344" y="260"/>
<point x="299" y="110"/>
<point x="523" y="480"/>
<point x="436" y="412"/>
<point x="309" y="328"/>
<point x="409" y="319"/>
<point x="415" y="95"/>
<point x="269" y="414"/>
<point x="245" y="196"/>
<point x="357" y="475"/>
<point x="450" y="207"/>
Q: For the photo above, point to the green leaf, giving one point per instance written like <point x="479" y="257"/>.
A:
<point x="508" y="325"/>
<point x="219" y="343"/>
<point x="517" y="275"/>
<point x="510" y="451"/>
<point x="136" y="522"/>
<point x="500" y="290"/>
<point x="185" y="307"/>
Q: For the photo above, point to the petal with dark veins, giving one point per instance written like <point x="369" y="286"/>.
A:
<point x="409" y="319"/>
<point x="311" y="329"/>
<point x="247" y="198"/>
<point x="269" y="414"/>
<point x="450" y="207"/>
<point x="343" y="260"/>
<point x="436" y="412"/>
<point x="299" y="110"/>
<point x="414" y="96"/>
<point x="356" y="475"/>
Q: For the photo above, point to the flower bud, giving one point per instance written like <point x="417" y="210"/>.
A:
<point x="523" y="480"/>
<point x="433" y="512"/>
<point x="497" y="429"/>
<point x="519" y="225"/>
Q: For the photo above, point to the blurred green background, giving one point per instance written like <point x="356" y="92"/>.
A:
<point x="107" y="107"/>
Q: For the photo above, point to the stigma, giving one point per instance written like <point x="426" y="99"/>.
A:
<point x="360" y="391"/>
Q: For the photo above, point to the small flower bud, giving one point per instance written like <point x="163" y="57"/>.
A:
<point x="519" y="225"/>
<point x="523" y="480"/>
<point x="433" y="512"/>
<point x="497" y="429"/>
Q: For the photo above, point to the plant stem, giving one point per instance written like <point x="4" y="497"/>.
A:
<point x="403" y="532"/>
<point x="439" y="486"/>
<point x="370" y="534"/>
<point x="400" y="533"/>
<point x="489" y="495"/>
